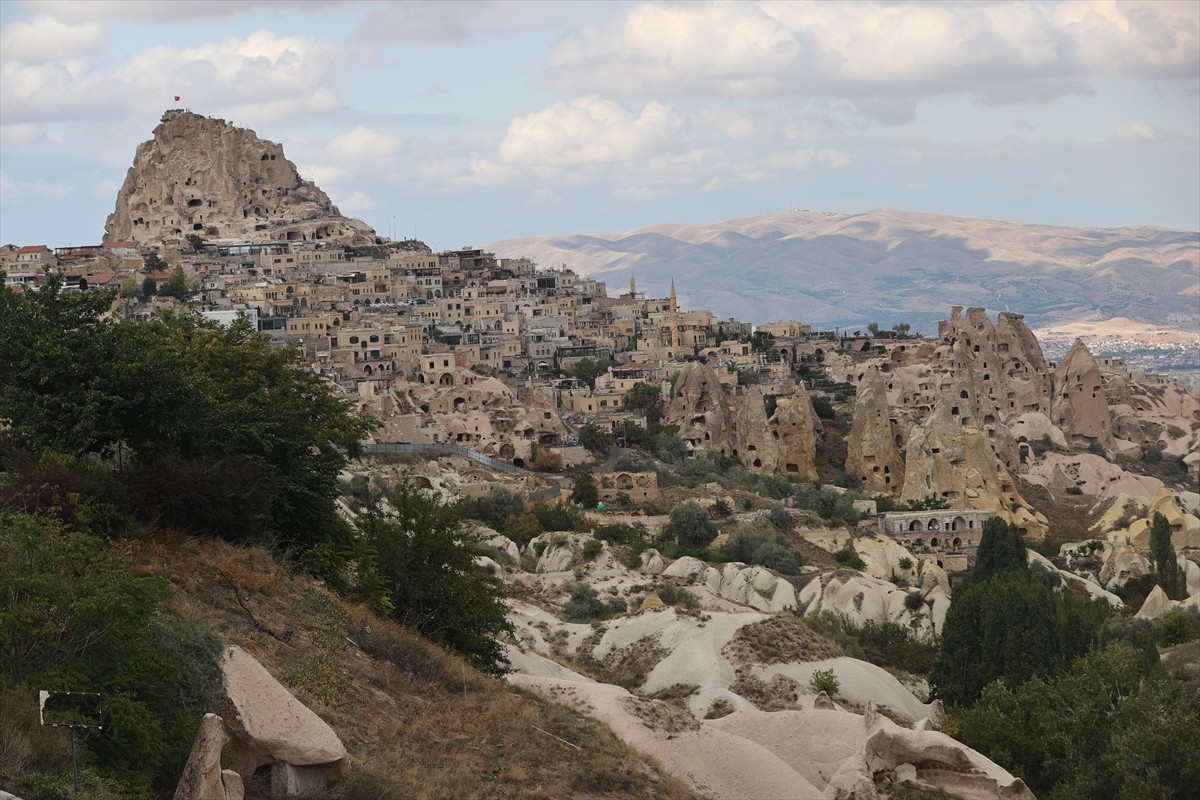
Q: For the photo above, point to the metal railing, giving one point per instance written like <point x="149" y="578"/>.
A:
<point x="442" y="448"/>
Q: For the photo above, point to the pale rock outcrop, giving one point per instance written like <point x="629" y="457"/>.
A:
<point x="795" y="429"/>
<point x="1156" y="604"/>
<point x="203" y="778"/>
<point x="842" y="753"/>
<point x="883" y="555"/>
<point x="871" y="451"/>
<point x="862" y="598"/>
<point x="1080" y="406"/>
<point x="1121" y="564"/>
<point x="1073" y="580"/>
<point x="753" y="442"/>
<point x="1033" y="425"/>
<point x="505" y="545"/>
<point x="651" y="562"/>
<point x="952" y="459"/>
<point x="564" y="551"/>
<point x="1185" y="528"/>
<point x="752" y="586"/>
<point x="698" y="406"/>
<point x="1004" y="361"/>
<point x="1093" y="475"/>
<point x="205" y="176"/>
<point x="687" y="567"/>
<point x="270" y="727"/>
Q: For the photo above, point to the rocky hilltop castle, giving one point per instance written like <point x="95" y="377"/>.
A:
<point x="204" y="176"/>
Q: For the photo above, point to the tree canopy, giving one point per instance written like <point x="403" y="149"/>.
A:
<point x="1163" y="563"/>
<point x="175" y="390"/>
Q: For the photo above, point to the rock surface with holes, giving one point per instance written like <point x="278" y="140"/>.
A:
<point x="699" y="408"/>
<point x="205" y="176"/>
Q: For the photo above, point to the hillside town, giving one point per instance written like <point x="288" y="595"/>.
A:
<point x="765" y="555"/>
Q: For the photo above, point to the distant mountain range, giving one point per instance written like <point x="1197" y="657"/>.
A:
<point x="893" y="266"/>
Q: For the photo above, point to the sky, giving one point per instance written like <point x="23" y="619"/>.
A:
<point x="461" y="123"/>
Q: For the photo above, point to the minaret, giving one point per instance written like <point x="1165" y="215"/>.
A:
<point x="632" y="286"/>
<point x="674" y="302"/>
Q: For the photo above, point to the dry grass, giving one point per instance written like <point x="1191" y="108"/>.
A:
<point x="418" y="722"/>
<point x="778" y="640"/>
<point x="627" y="668"/>
<point x="781" y="694"/>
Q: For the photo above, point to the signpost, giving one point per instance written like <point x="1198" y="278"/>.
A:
<point x="74" y="710"/>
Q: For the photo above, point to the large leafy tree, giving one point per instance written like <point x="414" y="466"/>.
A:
<point x="175" y="390"/>
<point x="1004" y="624"/>
<point x="420" y="552"/>
<point x="645" y="399"/>
<point x="1111" y="727"/>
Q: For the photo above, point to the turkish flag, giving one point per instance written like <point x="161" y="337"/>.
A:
<point x="176" y="98"/>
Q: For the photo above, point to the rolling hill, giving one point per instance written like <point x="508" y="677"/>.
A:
<point x="891" y="266"/>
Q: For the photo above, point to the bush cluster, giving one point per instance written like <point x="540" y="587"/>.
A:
<point x="585" y="605"/>
<point x="751" y="545"/>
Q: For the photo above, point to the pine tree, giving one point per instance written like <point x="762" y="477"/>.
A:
<point x="1001" y="549"/>
<point x="1165" y="567"/>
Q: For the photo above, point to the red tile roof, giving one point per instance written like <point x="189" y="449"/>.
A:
<point x="34" y="248"/>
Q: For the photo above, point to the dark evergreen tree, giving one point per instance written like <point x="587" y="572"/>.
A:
<point x="1163" y="563"/>
<point x="1001" y="549"/>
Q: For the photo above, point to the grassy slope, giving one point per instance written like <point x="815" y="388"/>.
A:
<point x="417" y="721"/>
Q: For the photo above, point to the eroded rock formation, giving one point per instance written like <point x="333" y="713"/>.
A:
<point x="200" y="175"/>
<point x="872" y="452"/>
<point x="1080" y="405"/>
<point x="698" y="407"/>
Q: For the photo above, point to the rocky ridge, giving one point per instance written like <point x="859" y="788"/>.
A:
<point x="204" y="176"/>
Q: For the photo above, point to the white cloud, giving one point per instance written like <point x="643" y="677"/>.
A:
<point x="13" y="190"/>
<point x="357" y="203"/>
<point x="262" y="76"/>
<point x="882" y="52"/>
<point x="589" y="130"/>
<point x="44" y="38"/>
<point x="806" y="157"/>
<point x="363" y="144"/>
<point x="1137" y="132"/>
<point x="175" y="11"/>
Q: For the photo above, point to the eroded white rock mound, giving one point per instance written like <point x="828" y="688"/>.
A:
<point x="271" y="728"/>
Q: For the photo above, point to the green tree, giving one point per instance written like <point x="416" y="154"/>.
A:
<point x="1111" y="727"/>
<point x="901" y="329"/>
<point x="596" y="440"/>
<point x="1163" y="564"/>
<point x="584" y="492"/>
<point x="588" y="369"/>
<point x="690" y="525"/>
<point x="176" y="286"/>
<point x="873" y="329"/>
<point x="497" y="506"/>
<point x="74" y="614"/>
<point x="1001" y="549"/>
<point x="196" y="241"/>
<point x="153" y="263"/>
<point x="175" y="389"/>
<point x="430" y="576"/>
<point x="645" y="399"/>
<point x="149" y="287"/>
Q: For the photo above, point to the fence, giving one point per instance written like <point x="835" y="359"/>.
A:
<point x="442" y="449"/>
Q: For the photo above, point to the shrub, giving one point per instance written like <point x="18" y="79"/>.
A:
<point x="690" y="525"/>
<point x="846" y="557"/>
<point x="824" y="680"/>
<point x="585" y="605"/>
<point x="1153" y="455"/>
<point x="823" y="407"/>
<point x="1097" y="449"/>
<point x="494" y="508"/>
<point x="753" y="546"/>
<point x="548" y="461"/>
<point x="523" y="528"/>
<point x="780" y="518"/>
<point x="905" y="563"/>
<point x="1073" y="490"/>
<point x="721" y="508"/>
<point x="560" y="516"/>
<point x="621" y="534"/>
<point x="914" y="602"/>
<point x="592" y="548"/>
<point x="675" y="596"/>
<point x="1177" y="626"/>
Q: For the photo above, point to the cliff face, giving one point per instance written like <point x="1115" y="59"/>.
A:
<point x="204" y="176"/>
<point x="872" y="451"/>
<point x="1080" y="404"/>
<point x="699" y="408"/>
<point x="785" y="444"/>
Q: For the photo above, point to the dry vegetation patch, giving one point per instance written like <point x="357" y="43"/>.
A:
<point x="419" y="722"/>
<point x="627" y="667"/>
<point x="782" y="639"/>
<point x="781" y="693"/>
<point x="661" y="716"/>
